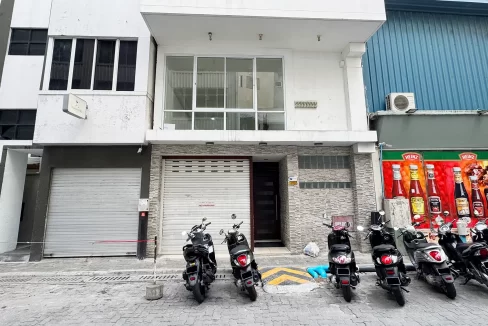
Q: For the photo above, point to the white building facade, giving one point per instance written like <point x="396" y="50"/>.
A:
<point x="206" y="108"/>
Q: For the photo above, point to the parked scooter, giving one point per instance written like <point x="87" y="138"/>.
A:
<point x="479" y="233"/>
<point x="201" y="265"/>
<point x="388" y="260"/>
<point x="244" y="267"/>
<point x="429" y="260"/>
<point x="467" y="259"/>
<point x="342" y="263"/>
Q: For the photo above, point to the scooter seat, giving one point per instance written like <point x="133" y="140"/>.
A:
<point x="339" y="247"/>
<point x="383" y="248"/>
<point x="239" y="249"/>
<point x="462" y="247"/>
<point x="425" y="245"/>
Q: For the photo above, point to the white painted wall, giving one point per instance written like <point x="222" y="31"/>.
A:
<point x="11" y="199"/>
<point x="31" y="13"/>
<point x="307" y="76"/>
<point x="21" y="82"/>
<point x="112" y="118"/>
<point x="318" y="9"/>
<point x="316" y="76"/>
<point x="97" y="18"/>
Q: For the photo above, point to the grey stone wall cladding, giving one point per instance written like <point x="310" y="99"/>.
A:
<point x="284" y="209"/>
<point x="301" y="209"/>
<point x="364" y="194"/>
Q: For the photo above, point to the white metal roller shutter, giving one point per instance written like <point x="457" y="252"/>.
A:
<point x="193" y="189"/>
<point x="91" y="205"/>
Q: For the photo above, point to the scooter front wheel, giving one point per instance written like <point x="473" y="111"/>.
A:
<point x="346" y="292"/>
<point x="450" y="290"/>
<point x="253" y="295"/>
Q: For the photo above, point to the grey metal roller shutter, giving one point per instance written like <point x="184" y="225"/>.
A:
<point x="87" y="206"/>
<point x="193" y="189"/>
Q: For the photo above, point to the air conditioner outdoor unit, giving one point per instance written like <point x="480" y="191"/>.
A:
<point x="401" y="103"/>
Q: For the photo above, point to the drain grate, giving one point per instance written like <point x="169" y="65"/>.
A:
<point x="60" y="279"/>
<point x="108" y="278"/>
<point x="15" y="279"/>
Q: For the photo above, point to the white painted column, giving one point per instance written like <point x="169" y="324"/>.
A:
<point x="11" y="199"/>
<point x="354" y="86"/>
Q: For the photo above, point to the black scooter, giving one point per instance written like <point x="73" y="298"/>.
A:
<point x="342" y="264"/>
<point x="244" y="267"/>
<point x="201" y="265"/>
<point x="469" y="260"/>
<point x="388" y="261"/>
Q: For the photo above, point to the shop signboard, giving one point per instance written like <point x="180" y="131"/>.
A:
<point x="437" y="181"/>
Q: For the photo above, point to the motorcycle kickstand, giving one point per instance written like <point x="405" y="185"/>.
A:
<point x="467" y="279"/>
<point x="404" y="289"/>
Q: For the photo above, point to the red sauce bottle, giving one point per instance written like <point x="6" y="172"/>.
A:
<point x="417" y="204"/>
<point x="477" y="205"/>
<point x="398" y="190"/>
<point x="435" y="205"/>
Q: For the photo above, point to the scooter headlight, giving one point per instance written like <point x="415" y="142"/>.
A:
<point x="341" y="260"/>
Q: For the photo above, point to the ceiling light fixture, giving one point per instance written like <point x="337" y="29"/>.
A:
<point x="263" y="143"/>
<point x="209" y="143"/>
<point x="318" y="144"/>
<point x="318" y="38"/>
<point x="260" y="37"/>
<point x="210" y="35"/>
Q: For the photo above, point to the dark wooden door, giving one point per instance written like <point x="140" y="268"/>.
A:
<point x="266" y="201"/>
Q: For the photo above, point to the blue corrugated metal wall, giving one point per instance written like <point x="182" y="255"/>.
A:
<point x="441" y="58"/>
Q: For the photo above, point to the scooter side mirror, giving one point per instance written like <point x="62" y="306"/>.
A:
<point x="204" y="219"/>
<point x="439" y="220"/>
<point x="446" y="213"/>
<point x="416" y="217"/>
<point x="233" y="216"/>
<point x="221" y="231"/>
<point x="360" y="228"/>
<point x="382" y="213"/>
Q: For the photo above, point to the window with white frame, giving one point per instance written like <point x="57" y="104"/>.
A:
<point x="93" y="64"/>
<point x="224" y="93"/>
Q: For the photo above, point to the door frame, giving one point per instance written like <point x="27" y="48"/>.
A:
<point x="203" y="157"/>
<point x="278" y="198"/>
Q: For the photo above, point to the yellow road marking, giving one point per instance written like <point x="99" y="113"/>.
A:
<point x="282" y="269"/>
<point x="285" y="277"/>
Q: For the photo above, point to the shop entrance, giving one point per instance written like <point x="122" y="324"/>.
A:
<point x="266" y="201"/>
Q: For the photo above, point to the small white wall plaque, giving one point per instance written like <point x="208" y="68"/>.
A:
<point x="75" y="106"/>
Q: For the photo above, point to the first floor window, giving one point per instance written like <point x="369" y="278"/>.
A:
<point x="17" y="124"/>
<point x="224" y="93"/>
<point x="28" y="41"/>
<point x="94" y="65"/>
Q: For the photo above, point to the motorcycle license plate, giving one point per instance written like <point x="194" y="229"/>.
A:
<point x="444" y="271"/>
<point x="393" y="281"/>
<point x="246" y="275"/>
<point x="342" y="271"/>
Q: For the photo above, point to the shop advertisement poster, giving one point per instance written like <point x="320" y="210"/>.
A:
<point x="435" y="182"/>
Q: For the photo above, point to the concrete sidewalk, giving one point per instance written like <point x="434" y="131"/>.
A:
<point x="165" y="264"/>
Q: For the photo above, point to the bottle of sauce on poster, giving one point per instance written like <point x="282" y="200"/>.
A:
<point x="460" y="194"/>
<point x="435" y="205"/>
<point x="476" y="199"/>
<point x="417" y="205"/>
<point x="398" y="190"/>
